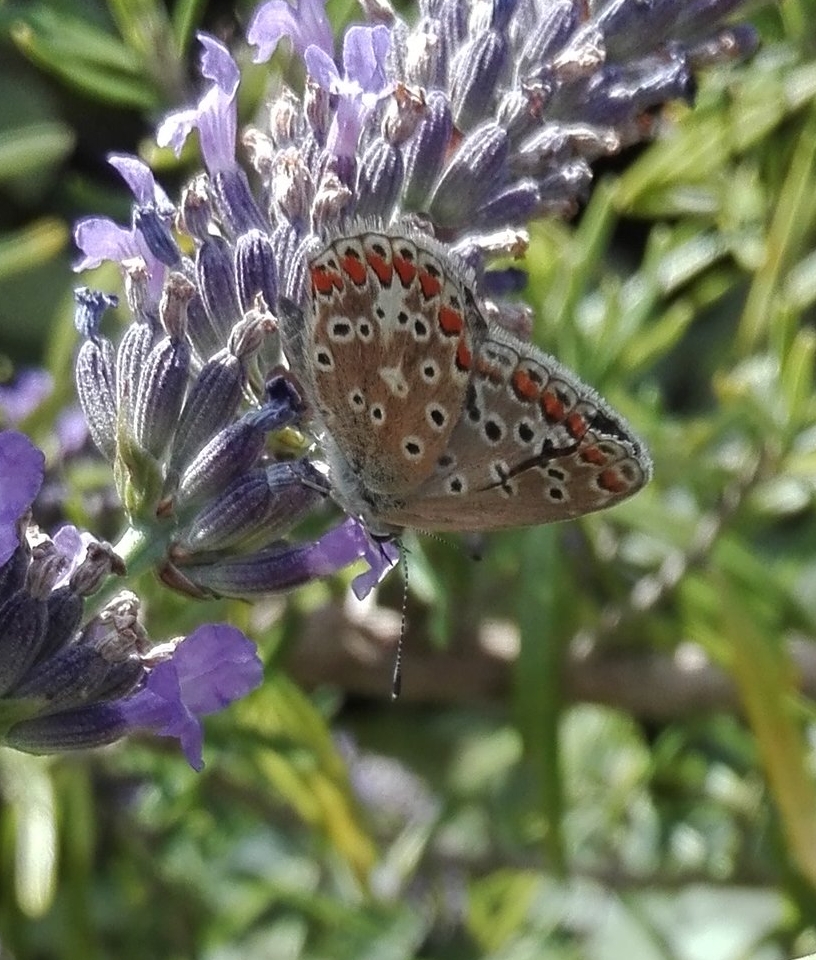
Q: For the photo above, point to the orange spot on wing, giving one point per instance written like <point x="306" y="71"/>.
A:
<point x="354" y="268"/>
<point x="406" y="270"/>
<point x="612" y="481"/>
<point x="382" y="268"/>
<point x="552" y="407"/>
<point x="464" y="358"/>
<point x="325" y="280"/>
<point x="524" y="386"/>
<point x="488" y="371"/>
<point x="451" y="322"/>
<point x="430" y="284"/>
<point x="576" y="425"/>
<point x="593" y="455"/>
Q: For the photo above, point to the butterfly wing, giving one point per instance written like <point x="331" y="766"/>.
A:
<point x="384" y="354"/>
<point x="533" y="445"/>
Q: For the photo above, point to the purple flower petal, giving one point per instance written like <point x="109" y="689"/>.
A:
<point x="305" y="24"/>
<point x="381" y="557"/>
<point x="344" y="133"/>
<point x="364" y="53"/>
<point x="322" y="69"/>
<point x="209" y="669"/>
<point x="139" y="177"/>
<point x="22" y="467"/>
<point x="72" y="544"/>
<point x="216" y="115"/>
<point x="364" y="82"/>
<point x="100" y="239"/>
<point x="349" y="542"/>
<point x="24" y="394"/>
<point x="71" y="429"/>
<point x="218" y="65"/>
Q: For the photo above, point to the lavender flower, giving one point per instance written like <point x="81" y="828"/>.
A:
<point x="22" y="467"/>
<point x="469" y="123"/>
<point x="66" y="685"/>
<point x="23" y="394"/>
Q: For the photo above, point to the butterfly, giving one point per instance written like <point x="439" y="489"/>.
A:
<point x="431" y="415"/>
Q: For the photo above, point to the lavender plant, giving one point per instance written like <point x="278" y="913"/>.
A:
<point x="658" y="658"/>
<point x="467" y="125"/>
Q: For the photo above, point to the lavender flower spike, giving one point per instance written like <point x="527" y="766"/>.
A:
<point x="204" y="673"/>
<point x="284" y="567"/>
<point x="65" y="686"/>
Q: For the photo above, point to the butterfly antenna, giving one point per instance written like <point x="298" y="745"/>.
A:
<point x="396" y="677"/>
<point x="473" y="549"/>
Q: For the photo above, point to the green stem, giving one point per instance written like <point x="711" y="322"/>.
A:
<point x="139" y="549"/>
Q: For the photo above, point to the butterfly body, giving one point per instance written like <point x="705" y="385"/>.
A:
<point x="435" y="418"/>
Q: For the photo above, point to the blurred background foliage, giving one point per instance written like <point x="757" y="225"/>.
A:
<point x="606" y="742"/>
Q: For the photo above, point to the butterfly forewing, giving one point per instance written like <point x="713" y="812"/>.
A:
<point x="387" y="340"/>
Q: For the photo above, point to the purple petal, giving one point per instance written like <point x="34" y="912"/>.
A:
<point x="24" y="394"/>
<point x="217" y="64"/>
<point x="364" y="53"/>
<point x="216" y="665"/>
<point x="347" y="122"/>
<point x="22" y="467"/>
<point x="175" y="128"/>
<point x="209" y="669"/>
<point x="218" y="129"/>
<point x="216" y="115"/>
<point x="322" y="69"/>
<point x="305" y="24"/>
<point x="71" y="429"/>
<point x="349" y="542"/>
<point x="72" y="544"/>
<point x="101" y="239"/>
<point x="365" y="81"/>
<point x="381" y="557"/>
<point x="139" y="177"/>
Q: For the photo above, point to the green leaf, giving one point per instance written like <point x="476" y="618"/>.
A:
<point x="88" y="61"/>
<point x="768" y="691"/>
<point x="541" y="600"/>
<point x="26" y="150"/>
<point x="35" y="244"/>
